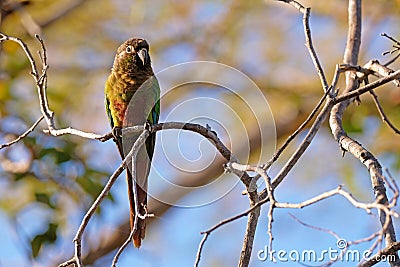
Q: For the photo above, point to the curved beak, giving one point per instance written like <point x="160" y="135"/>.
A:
<point x="143" y="55"/>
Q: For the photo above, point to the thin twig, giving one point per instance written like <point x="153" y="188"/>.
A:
<point x="200" y="249"/>
<point x="4" y="37"/>
<point x="382" y="113"/>
<point x="332" y="233"/>
<point x="311" y="50"/>
<point x="22" y="136"/>
<point x="390" y="38"/>
<point x="396" y="187"/>
<point x="392" y="60"/>
<point x="278" y="153"/>
<point x="121" y="249"/>
<point x="295" y="4"/>
<point x="396" y="47"/>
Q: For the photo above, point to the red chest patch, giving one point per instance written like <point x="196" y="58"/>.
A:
<point x="120" y="109"/>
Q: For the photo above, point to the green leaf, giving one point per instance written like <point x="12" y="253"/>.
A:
<point x="49" y="236"/>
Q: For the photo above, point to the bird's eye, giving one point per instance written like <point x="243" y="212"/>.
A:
<point x="128" y="49"/>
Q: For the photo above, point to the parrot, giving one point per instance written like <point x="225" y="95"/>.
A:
<point x="132" y="97"/>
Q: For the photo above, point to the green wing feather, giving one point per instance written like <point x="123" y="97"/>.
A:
<point x="108" y="110"/>
<point x="153" y="117"/>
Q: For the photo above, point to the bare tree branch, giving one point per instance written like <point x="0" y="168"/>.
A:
<point x="252" y="221"/>
<point x="348" y="95"/>
<point x="343" y="101"/>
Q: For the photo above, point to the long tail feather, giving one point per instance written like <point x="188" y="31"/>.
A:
<point x="139" y="233"/>
<point x="138" y="185"/>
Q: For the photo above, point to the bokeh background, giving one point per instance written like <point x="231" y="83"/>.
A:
<point x="47" y="183"/>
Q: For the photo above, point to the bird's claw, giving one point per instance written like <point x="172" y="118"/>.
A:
<point x="117" y="132"/>
<point x="148" y="126"/>
<point x="208" y="127"/>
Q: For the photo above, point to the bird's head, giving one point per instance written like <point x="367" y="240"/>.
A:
<point x="133" y="56"/>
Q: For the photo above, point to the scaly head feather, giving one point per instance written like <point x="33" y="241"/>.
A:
<point x="133" y="59"/>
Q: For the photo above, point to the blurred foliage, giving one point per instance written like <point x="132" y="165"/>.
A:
<point x="264" y="39"/>
<point x="49" y="236"/>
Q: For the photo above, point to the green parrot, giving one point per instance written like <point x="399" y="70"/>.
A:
<point x="132" y="97"/>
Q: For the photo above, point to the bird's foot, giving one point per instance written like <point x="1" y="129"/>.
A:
<point x="210" y="130"/>
<point x="148" y="126"/>
<point x="117" y="132"/>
